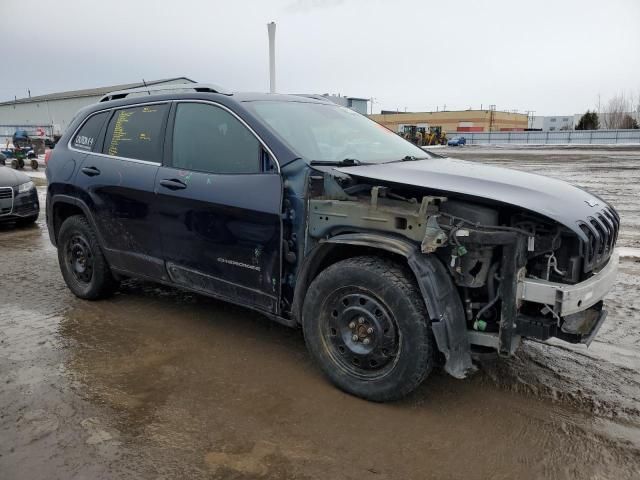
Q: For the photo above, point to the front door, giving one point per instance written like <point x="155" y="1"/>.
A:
<point x="220" y="207"/>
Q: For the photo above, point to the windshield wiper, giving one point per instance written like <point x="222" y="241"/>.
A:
<point x="409" y="158"/>
<point x="345" y="162"/>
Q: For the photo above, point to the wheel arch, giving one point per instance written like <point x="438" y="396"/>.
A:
<point x="65" y="206"/>
<point x="439" y="293"/>
<point x="341" y="247"/>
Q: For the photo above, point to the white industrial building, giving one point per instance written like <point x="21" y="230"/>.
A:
<point x="552" y="123"/>
<point x="559" y="122"/>
<point x="52" y="113"/>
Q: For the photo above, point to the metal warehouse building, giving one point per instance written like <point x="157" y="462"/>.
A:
<point x="455" y="121"/>
<point x="52" y="113"/>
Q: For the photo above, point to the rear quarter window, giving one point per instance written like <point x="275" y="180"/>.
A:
<point x="136" y="133"/>
<point x="87" y="137"/>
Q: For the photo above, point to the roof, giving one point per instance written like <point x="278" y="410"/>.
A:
<point x="91" y="92"/>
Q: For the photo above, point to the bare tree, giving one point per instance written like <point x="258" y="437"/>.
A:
<point x="616" y="111"/>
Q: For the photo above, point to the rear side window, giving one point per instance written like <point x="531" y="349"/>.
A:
<point x="209" y="139"/>
<point x="136" y="133"/>
<point x="87" y="137"/>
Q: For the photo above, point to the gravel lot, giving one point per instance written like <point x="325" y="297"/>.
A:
<point x="157" y="383"/>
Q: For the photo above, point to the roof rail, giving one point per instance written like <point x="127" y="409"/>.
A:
<point x="176" y="87"/>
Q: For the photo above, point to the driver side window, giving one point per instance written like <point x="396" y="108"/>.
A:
<point x="209" y="139"/>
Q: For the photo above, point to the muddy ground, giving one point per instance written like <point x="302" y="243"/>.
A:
<point x="157" y="383"/>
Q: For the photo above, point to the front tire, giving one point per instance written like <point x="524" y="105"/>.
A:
<point x="83" y="266"/>
<point x="366" y="325"/>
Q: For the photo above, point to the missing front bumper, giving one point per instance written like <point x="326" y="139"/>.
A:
<point x="565" y="299"/>
<point x="577" y="308"/>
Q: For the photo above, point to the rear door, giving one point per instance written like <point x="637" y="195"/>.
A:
<point x="220" y="202"/>
<point x="118" y="176"/>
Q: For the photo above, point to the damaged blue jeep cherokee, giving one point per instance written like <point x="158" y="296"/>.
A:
<point x="391" y="259"/>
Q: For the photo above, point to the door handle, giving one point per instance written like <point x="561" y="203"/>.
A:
<point x="91" y="171"/>
<point x="173" y="184"/>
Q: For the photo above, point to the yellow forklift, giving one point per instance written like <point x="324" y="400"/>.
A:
<point x="423" y="135"/>
<point x="436" y="136"/>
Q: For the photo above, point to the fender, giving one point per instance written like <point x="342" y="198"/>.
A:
<point x="441" y="297"/>
<point x="76" y="202"/>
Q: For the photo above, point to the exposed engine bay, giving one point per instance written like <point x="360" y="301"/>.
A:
<point x="491" y="250"/>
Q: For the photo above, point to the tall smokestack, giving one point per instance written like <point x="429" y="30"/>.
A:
<point x="271" y="28"/>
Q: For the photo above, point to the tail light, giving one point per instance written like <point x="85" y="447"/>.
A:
<point x="47" y="155"/>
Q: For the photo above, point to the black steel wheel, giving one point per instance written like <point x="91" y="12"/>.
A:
<point x="79" y="258"/>
<point x="82" y="263"/>
<point x="360" y="334"/>
<point x="366" y="326"/>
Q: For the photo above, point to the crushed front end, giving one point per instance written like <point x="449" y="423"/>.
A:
<point x="543" y="280"/>
<point x="518" y="273"/>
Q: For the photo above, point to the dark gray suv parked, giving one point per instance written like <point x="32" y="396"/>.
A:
<point x="391" y="259"/>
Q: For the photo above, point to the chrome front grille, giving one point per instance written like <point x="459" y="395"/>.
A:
<point x="6" y="200"/>
<point x="601" y="231"/>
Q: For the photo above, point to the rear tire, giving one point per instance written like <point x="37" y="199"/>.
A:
<point x="366" y="325"/>
<point x="83" y="266"/>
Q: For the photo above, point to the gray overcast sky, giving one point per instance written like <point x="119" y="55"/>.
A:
<point x="553" y="57"/>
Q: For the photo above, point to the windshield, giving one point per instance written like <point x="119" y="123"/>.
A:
<point x="331" y="133"/>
